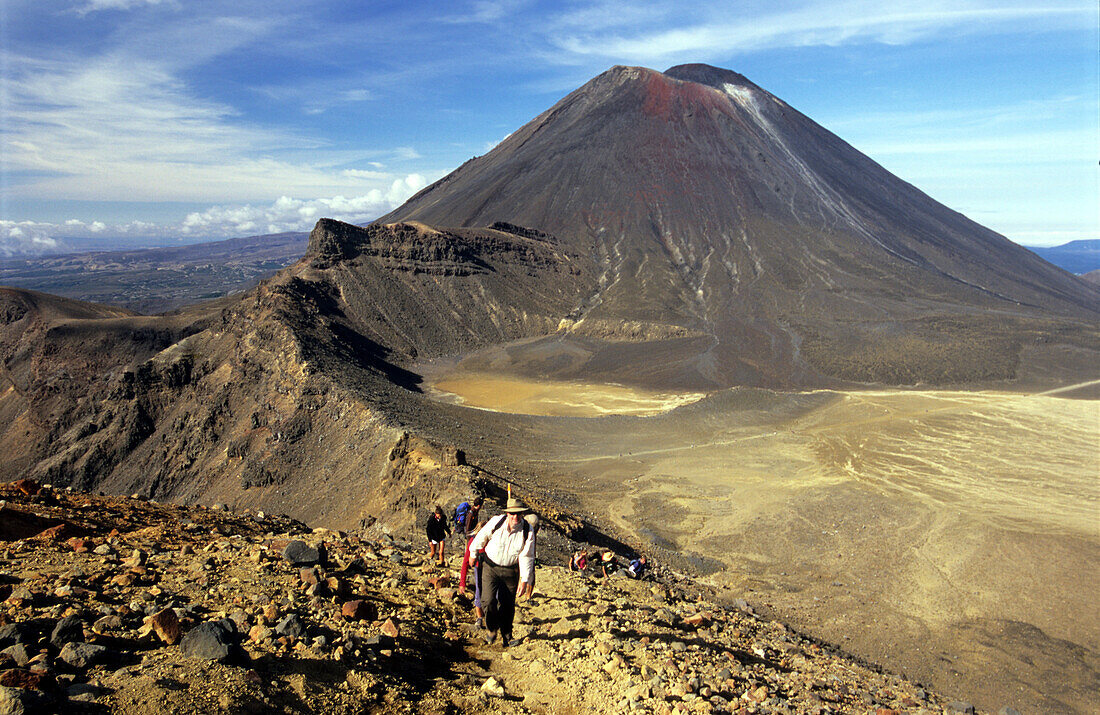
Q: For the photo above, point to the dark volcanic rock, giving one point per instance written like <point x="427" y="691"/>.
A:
<point x="212" y="640"/>
<point x="299" y="553"/>
<point x="67" y="630"/>
<point x="83" y="655"/>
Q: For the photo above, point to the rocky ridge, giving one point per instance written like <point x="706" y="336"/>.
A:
<point x="115" y="604"/>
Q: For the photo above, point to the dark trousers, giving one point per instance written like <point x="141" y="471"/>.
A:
<point x="498" y="597"/>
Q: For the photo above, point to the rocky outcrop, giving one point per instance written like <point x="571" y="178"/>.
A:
<point x="201" y="609"/>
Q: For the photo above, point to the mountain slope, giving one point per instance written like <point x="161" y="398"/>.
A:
<point x="711" y="206"/>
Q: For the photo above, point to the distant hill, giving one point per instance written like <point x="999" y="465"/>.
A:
<point x="154" y="280"/>
<point x="1078" y="257"/>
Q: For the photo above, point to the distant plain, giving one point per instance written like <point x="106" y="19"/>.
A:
<point x="953" y="536"/>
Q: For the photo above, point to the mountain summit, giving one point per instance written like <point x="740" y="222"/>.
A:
<point x="711" y="206"/>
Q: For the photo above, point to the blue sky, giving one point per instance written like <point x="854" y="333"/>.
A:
<point x="128" y="122"/>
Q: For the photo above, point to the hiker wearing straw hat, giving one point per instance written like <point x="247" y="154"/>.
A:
<point x="508" y="542"/>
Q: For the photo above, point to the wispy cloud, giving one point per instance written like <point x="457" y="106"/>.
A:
<point x="97" y="5"/>
<point x="725" y="31"/>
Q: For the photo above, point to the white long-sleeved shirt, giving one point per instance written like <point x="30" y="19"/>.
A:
<point x="507" y="548"/>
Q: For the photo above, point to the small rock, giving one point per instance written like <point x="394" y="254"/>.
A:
<point x="17" y="701"/>
<point x="69" y="629"/>
<point x="17" y="653"/>
<point x="211" y="640"/>
<point x="1006" y="710"/>
<point x="390" y="628"/>
<point x="83" y="655"/>
<point x="259" y="633"/>
<point x="291" y="626"/>
<point x="299" y="553"/>
<point x="359" y="610"/>
<point x="960" y="706"/>
<point x="166" y="624"/>
<point x="25" y="679"/>
<point x="20" y="597"/>
<point x="493" y="687"/>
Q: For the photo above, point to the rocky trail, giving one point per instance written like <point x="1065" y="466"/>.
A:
<point x="121" y="605"/>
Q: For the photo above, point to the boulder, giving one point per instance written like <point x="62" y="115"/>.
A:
<point x="83" y="655"/>
<point x="212" y="640"/>
<point x="299" y="553"/>
<point x="68" y="630"/>
<point x="17" y="701"/>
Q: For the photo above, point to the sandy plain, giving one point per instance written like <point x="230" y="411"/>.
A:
<point x="951" y="536"/>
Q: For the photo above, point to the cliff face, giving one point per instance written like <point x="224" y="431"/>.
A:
<point x="288" y="398"/>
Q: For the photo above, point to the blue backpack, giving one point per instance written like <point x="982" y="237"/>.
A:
<point x="460" y="516"/>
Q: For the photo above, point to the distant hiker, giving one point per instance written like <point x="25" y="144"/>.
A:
<point x="527" y="588"/>
<point x="473" y="518"/>
<point x="608" y="565"/>
<point x="508" y="542"/>
<point x="638" y="568"/>
<point x="579" y="562"/>
<point x="437" y="531"/>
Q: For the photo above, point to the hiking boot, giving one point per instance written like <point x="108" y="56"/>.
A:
<point x="479" y="622"/>
<point x="490" y="637"/>
<point x="512" y="642"/>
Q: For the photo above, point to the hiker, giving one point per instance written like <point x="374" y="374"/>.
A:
<point x="579" y="562"/>
<point x="527" y="588"/>
<point x="473" y="518"/>
<point x="638" y="568"/>
<point x="437" y="531"/>
<point x="471" y="522"/>
<point x="608" y="565"/>
<point x="469" y="559"/>
<point x="508" y="542"/>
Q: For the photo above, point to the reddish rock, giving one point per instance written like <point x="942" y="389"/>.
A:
<point x="124" y="579"/>
<point x="310" y="576"/>
<point x="27" y="486"/>
<point x="54" y="533"/>
<point x="359" y="610"/>
<point x="697" y="620"/>
<point x="166" y="625"/>
<point x="759" y="695"/>
<point x="80" y="545"/>
<point x="25" y="679"/>
<point x="390" y="628"/>
<point x="440" y="581"/>
<point x="260" y="633"/>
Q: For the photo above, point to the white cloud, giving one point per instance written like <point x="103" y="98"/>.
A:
<point x="26" y="238"/>
<point x="19" y="238"/>
<point x="96" y="5"/>
<point x="288" y="214"/>
<point x="718" y="30"/>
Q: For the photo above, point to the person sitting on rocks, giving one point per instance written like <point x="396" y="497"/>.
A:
<point x="437" y="531"/>
<point x="508" y="560"/>
<point x="609" y="566"/>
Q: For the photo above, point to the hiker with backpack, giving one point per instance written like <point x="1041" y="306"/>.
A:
<point x="467" y="519"/>
<point x="437" y="531"/>
<point x="638" y="568"/>
<point x="508" y="543"/>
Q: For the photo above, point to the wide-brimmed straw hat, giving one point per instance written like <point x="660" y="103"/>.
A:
<point x="515" y="506"/>
<point x="607" y="556"/>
